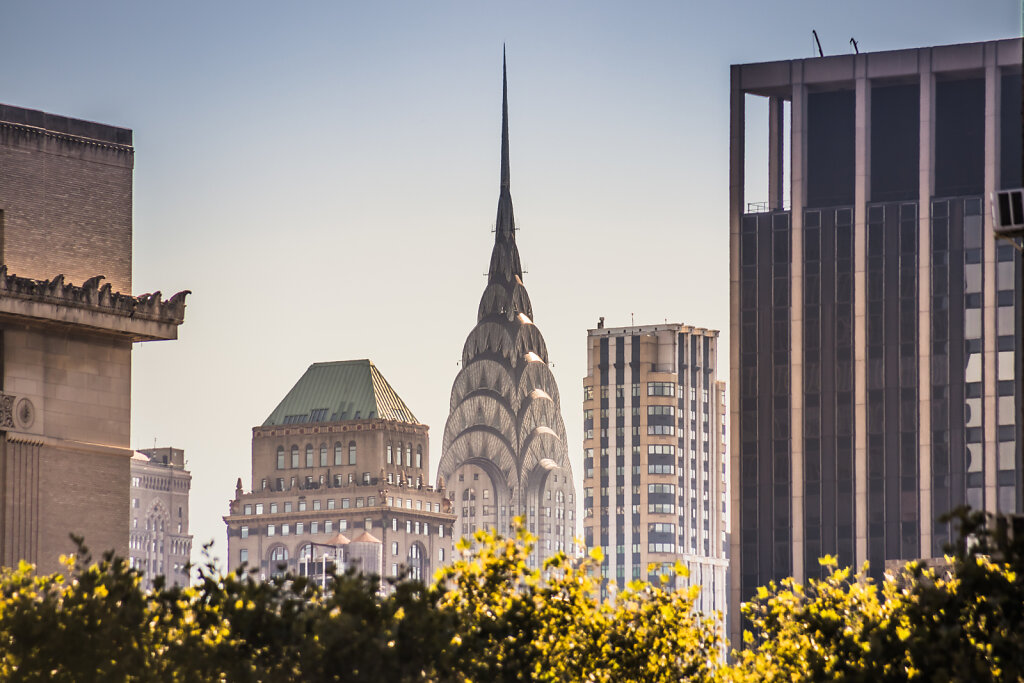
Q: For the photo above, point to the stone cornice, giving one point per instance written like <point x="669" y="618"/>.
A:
<point x="91" y="306"/>
<point x="67" y="137"/>
<point x="309" y="429"/>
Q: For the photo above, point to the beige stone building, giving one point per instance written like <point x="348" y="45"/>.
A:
<point x="159" y="543"/>
<point x="340" y="470"/>
<point x="67" y="324"/>
<point x="654" y="465"/>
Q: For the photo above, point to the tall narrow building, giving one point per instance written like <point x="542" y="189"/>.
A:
<point x="504" y="452"/>
<point x="654" y="456"/>
<point x="875" y="319"/>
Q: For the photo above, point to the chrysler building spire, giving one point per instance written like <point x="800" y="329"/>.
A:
<point x="504" y="453"/>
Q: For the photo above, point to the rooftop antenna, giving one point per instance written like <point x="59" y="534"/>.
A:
<point x="856" y="50"/>
<point x="818" y="43"/>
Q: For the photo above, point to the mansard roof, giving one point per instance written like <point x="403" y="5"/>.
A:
<point x="341" y="391"/>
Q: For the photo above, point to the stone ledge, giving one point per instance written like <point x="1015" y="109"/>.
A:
<point x="52" y="302"/>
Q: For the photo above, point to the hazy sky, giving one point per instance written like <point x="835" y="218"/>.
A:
<point x="324" y="178"/>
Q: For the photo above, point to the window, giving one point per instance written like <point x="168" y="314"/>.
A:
<point x="328" y="526"/>
<point x="273" y="508"/>
<point x="337" y="454"/>
<point x="284" y="529"/>
<point x="288" y="506"/>
<point x="661" y="508"/>
<point x="661" y="469"/>
<point x="323" y="455"/>
<point x="316" y="504"/>
<point x="419" y="456"/>
<point x="279" y="554"/>
<point x="346" y="503"/>
<point x="244" y="532"/>
<point x="390" y="456"/>
<point x="367" y="523"/>
<point x="371" y="501"/>
<point x="394" y="547"/>
<point x="588" y="393"/>
<point x="243" y="555"/>
<point x="263" y="484"/>
<point x="342" y="525"/>
<point x="330" y="503"/>
<point x="660" y="410"/>
<point x="259" y="508"/>
<point x="309" y="455"/>
<point x="271" y="530"/>
<point x="661" y="429"/>
<point x="661" y="449"/>
<point x="299" y="527"/>
<point x="295" y="457"/>
<point x="408" y="455"/>
<point x="359" y="502"/>
<point x="302" y="505"/>
<point x="661" y="389"/>
<point x="280" y="457"/>
<point x="366" y="477"/>
<point x="440" y="555"/>
<point x="314" y="527"/>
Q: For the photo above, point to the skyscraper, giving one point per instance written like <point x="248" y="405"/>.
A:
<point x="654" y="488"/>
<point x="504" y="452"/>
<point x="875" y="321"/>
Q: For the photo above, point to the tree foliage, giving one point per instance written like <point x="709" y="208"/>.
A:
<point x="491" y="617"/>
<point x="488" y="616"/>
<point x="960" y="621"/>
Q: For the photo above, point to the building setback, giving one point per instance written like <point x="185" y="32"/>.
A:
<point x="159" y="543"/>
<point x="875" y="321"/>
<point x="504" y="453"/>
<point x="340" y="468"/>
<point x="67" y="324"/>
<point x="654" y="487"/>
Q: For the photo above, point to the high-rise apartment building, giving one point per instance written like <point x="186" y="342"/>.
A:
<point x="159" y="543"/>
<point x="68" y="321"/>
<point x="504" y="453"/>
<point x="340" y="470"/>
<point x="654" y="468"/>
<point x="875" y="321"/>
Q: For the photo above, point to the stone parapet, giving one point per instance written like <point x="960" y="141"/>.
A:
<point x="140" y="318"/>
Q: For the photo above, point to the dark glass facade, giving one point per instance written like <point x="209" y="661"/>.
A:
<point x="830" y="148"/>
<point x="892" y="384"/>
<point x="959" y="137"/>
<point x="828" y="386"/>
<point x="895" y="141"/>
<point x="764" y="396"/>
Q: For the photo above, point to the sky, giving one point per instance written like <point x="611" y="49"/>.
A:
<point x="324" y="178"/>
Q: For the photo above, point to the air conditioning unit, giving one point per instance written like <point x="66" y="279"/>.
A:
<point x="1009" y="213"/>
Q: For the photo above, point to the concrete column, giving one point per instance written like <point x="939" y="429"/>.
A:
<point x="989" y="276"/>
<point x="862" y="164"/>
<point x="924" y="301"/>
<point x="736" y="151"/>
<point x="798" y="155"/>
<point x="775" y="153"/>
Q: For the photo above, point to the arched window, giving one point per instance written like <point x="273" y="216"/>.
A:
<point x="469" y="494"/>
<point x="280" y="457"/>
<point x="408" y="455"/>
<point x="337" y="453"/>
<point x="309" y="455"/>
<point x="306" y="552"/>
<point x="323" y="455"/>
<point x="351" y="452"/>
<point x="419" y="456"/>
<point x="295" y="457"/>
<point x="279" y="554"/>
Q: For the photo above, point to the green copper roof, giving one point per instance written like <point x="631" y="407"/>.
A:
<point x="339" y="391"/>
